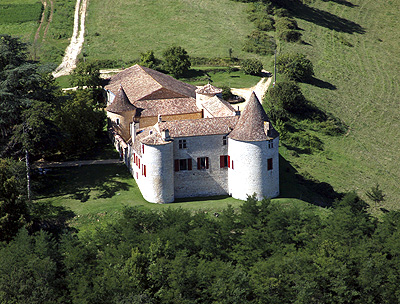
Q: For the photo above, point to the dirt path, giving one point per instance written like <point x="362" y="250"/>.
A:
<point x="49" y="21"/>
<point x="44" y="2"/>
<point x="71" y="53"/>
<point x="260" y="88"/>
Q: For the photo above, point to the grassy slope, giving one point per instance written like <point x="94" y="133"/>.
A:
<point x="366" y="98"/>
<point x="203" y="27"/>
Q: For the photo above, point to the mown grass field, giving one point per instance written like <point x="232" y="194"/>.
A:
<point x="354" y="46"/>
<point x="20" y="18"/>
<point x="97" y="194"/>
<point x="121" y="29"/>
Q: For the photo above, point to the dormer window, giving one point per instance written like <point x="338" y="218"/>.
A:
<point x="117" y="121"/>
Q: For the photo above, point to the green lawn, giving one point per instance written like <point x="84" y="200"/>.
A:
<point x="360" y="85"/>
<point x="121" y="29"/>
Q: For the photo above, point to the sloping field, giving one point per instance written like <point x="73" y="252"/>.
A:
<point x="354" y="46"/>
<point x="121" y="29"/>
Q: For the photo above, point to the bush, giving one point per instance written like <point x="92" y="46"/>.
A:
<point x="265" y="23"/>
<point x="295" y="66"/>
<point x="289" y="35"/>
<point x="252" y="66"/>
<point x="226" y="93"/>
<point x="285" y="97"/>
<point x="259" y="42"/>
<point x="286" y="23"/>
<point x="305" y="141"/>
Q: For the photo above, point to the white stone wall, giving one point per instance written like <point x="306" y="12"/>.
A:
<point x="250" y="172"/>
<point x="206" y="182"/>
<point x="158" y="184"/>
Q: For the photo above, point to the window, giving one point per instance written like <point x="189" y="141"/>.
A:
<point x="143" y="148"/>
<point x="202" y="163"/>
<point x="182" y="144"/>
<point x="223" y="161"/>
<point x="229" y="161"/>
<point x="269" y="164"/>
<point x="270" y="144"/>
<point x="144" y="170"/>
<point x="183" y="164"/>
<point x="117" y="121"/>
<point x="224" y="140"/>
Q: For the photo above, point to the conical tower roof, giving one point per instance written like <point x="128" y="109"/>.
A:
<point x="120" y="103"/>
<point x="253" y="124"/>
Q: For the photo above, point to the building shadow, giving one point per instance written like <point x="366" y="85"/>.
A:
<point x="326" y="19"/>
<point x="304" y="187"/>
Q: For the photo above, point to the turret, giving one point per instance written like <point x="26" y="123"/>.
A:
<point x="253" y="154"/>
<point x="121" y="114"/>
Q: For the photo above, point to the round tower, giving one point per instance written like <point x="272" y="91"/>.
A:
<point x="253" y="154"/>
<point x="157" y="182"/>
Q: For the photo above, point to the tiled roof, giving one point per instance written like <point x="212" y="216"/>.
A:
<point x="140" y="82"/>
<point x="199" y="127"/>
<point x="120" y="103"/>
<point x="167" y="106"/>
<point x="253" y="124"/>
<point x="209" y="89"/>
<point x="218" y="107"/>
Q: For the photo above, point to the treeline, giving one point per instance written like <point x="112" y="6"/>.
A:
<point x="263" y="253"/>
<point x="36" y="117"/>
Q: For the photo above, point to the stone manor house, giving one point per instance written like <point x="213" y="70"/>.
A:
<point x="182" y="141"/>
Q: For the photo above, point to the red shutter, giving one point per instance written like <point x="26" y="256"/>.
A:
<point x="189" y="164"/>
<point x="198" y="163"/>
<point x="232" y="164"/>
<point x="134" y="158"/>
<point x="222" y="161"/>
<point x="139" y="162"/>
<point x="206" y="162"/>
<point x="142" y="148"/>
<point x="229" y="161"/>
<point x="269" y="164"/>
<point x="176" y="164"/>
<point x="144" y="167"/>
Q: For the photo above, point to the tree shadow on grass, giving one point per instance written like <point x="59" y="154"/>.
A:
<point x="304" y="187"/>
<point x="78" y="182"/>
<point x="326" y="19"/>
<point x="342" y="2"/>
<point x="321" y="84"/>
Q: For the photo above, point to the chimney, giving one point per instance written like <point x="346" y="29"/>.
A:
<point x="165" y="134"/>
<point x="237" y="112"/>
<point x="159" y="118"/>
<point x="133" y="131"/>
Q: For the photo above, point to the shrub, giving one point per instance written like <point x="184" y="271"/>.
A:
<point x="289" y="35"/>
<point x="252" y="66"/>
<point x="259" y="42"/>
<point x="286" y="23"/>
<point x="265" y="23"/>
<point x="295" y="66"/>
<point x="226" y="93"/>
<point x="285" y="97"/>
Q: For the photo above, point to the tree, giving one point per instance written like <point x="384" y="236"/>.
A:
<point x="252" y="66"/>
<point x="177" y="61"/>
<point x="284" y="98"/>
<point x="375" y="194"/>
<point x="86" y="74"/>
<point x="13" y="208"/>
<point x="80" y="122"/>
<point x="296" y="66"/>
<point x="148" y="59"/>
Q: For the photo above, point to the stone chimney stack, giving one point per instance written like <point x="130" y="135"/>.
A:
<point x="165" y="134"/>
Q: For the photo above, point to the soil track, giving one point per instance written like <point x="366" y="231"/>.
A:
<point x="68" y="63"/>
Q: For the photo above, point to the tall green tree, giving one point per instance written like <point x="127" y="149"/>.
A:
<point x="86" y="74"/>
<point x="177" y="61"/>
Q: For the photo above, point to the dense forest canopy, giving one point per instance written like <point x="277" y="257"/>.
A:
<point x="262" y="253"/>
